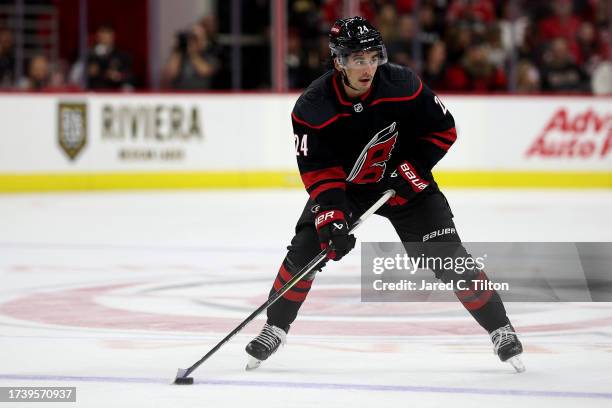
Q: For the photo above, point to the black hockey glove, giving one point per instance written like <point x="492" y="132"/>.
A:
<point x="406" y="182"/>
<point x="333" y="232"/>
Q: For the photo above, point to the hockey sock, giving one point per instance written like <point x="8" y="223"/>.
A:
<point x="284" y="311"/>
<point x="484" y="304"/>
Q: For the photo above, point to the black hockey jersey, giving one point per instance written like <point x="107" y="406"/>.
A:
<point x="351" y="144"/>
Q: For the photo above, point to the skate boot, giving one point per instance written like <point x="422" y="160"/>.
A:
<point x="265" y="344"/>
<point x="507" y="346"/>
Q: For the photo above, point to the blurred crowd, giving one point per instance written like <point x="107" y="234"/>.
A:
<point x="520" y="46"/>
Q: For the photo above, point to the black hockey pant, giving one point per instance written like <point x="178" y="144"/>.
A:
<point x="428" y="213"/>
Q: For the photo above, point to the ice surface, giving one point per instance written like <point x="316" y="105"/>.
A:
<point x="112" y="292"/>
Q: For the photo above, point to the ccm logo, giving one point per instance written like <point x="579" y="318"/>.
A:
<point x="410" y="175"/>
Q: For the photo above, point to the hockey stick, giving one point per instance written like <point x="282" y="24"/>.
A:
<point x="182" y="374"/>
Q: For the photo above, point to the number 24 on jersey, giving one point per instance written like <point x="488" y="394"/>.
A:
<point x="301" y="145"/>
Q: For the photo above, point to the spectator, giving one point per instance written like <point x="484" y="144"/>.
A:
<point x="561" y="24"/>
<point x="472" y="11"/>
<point x="297" y="66"/>
<point x="387" y="19"/>
<point x="193" y="62"/>
<point x="431" y="29"/>
<point x="590" y="50"/>
<point x="527" y="77"/>
<point x="513" y="26"/>
<point x="401" y="48"/>
<point x="476" y="72"/>
<point x="434" y="73"/>
<point x="601" y="81"/>
<point x="7" y="59"/>
<point x="40" y="76"/>
<point x="497" y="54"/>
<point x="559" y="72"/>
<point x="458" y="39"/>
<point x="107" y="67"/>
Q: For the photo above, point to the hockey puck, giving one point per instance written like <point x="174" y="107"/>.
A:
<point x="184" y="380"/>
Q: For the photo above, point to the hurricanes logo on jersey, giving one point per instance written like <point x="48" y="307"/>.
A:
<point x="371" y="164"/>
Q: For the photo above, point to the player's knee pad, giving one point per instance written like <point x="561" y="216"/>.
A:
<point x="304" y="247"/>
<point x="448" y="259"/>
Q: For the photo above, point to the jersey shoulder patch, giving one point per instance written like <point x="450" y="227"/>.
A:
<point x="397" y="83"/>
<point x="315" y="107"/>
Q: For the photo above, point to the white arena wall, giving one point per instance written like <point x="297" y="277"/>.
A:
<point x="115" y="141"/>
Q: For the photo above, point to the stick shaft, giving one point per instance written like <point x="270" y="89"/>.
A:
<point x="297" y="277"/>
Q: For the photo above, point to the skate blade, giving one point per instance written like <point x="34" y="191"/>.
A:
<point x="252" y="364"/>
<point x="517" y="363"/>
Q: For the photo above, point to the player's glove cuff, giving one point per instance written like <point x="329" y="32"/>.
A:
<point x="412" y="177"/>
<point x="407" y="182"/>
<point x="333" y="231"/>
<point x="324" y="217"/>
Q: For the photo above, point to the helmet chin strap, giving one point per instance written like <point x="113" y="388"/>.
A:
<point x="346" y="81"/>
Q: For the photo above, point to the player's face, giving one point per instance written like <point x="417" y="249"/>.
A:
<point x="360" y="69"/>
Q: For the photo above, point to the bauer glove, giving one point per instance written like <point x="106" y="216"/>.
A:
<point x="406" y="182"/>
<point x="333" y="232"/>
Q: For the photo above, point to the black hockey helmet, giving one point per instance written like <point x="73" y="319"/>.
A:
<point x="355" y="34"/>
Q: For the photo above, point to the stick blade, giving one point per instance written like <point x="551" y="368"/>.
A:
<point x="181" y="377"/>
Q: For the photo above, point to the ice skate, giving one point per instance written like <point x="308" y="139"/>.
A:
<point x="264" y="345"/>
<point x="508" y="347"/>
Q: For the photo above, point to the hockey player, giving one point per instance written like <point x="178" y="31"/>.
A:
<point x="360" y="129"/>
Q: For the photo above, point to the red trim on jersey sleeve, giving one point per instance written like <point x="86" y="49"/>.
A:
<point x="326" y="186"/>
<point x="449" y="134"/>
<point x="313" y="177"/>
<point x="322" y="125"/>
<point x="396" y="200"/>
<point x="438" y="143"/>
<point x="401" y="98"/>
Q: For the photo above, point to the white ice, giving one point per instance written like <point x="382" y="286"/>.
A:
<point x="113" y="292"/>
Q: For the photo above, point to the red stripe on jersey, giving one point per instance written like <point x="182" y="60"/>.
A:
<point x="397" y="200"/>
<point x="338" y="94"/>
<point x="286" y="276"/>
<point x="327" y="186"/>
<point x="449" y="134"/>
<point x="311" y="177"/>
<point x="438" y="143"/>
<point x="322" y="125"/>
<point x="401" y="98"/>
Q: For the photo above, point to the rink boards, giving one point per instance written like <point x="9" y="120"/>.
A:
<point x="127" y="141"/>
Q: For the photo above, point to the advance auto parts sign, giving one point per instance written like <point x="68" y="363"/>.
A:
<point x="151" y="132"/>
<point x="579" y="134"/>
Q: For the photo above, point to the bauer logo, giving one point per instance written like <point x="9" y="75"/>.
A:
<point x="583" y="135"/>
<point x="72" y="128"/>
